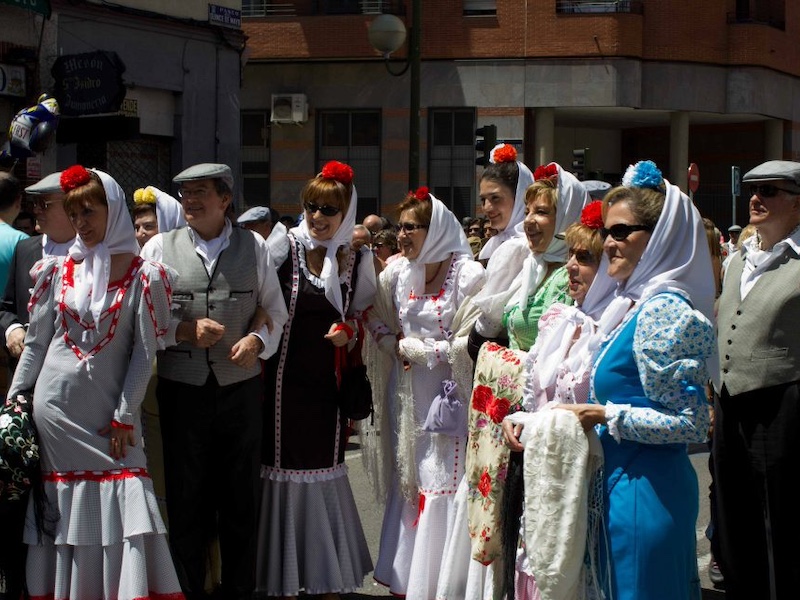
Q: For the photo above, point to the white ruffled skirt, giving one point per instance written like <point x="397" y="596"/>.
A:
<point x="108" y="541"/>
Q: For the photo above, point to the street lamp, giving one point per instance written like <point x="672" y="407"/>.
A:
<point x="386" y="34"/>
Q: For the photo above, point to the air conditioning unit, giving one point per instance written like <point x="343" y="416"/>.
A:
<point x="289" y="108"/>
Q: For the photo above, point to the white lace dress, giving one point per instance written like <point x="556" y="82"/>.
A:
<point x="108" y="539"/>
<point x="428" y="466"/>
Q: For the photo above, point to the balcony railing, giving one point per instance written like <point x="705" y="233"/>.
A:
<point x="599" y="6"/>
<point x="271" y="8"/>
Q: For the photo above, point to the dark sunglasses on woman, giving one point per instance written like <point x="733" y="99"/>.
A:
<point x="409" y="227"/>
<point x="621" y="231"/>
<point x="326" y="209"/>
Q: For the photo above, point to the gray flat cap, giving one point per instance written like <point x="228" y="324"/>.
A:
<point x="257" y="213"/>
<point x="734" y="229"/>
<point x="47" y="185"/>
<point x="776" y="170"/>
<point x="206" y="171"/>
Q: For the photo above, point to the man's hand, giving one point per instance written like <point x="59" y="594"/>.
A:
<point x="16" y="342"/>
<point x="202" y="333"/>
<point x="261" y="317"/>
<point x="245" y="352"/>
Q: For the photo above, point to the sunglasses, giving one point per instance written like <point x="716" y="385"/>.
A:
<point x="766" y="190"/>
<point x="621" y="231"/>
<point x="42" y="205"/>
<point x="409" y="227"/>
<point x="582" y="257"/>
<point x="326" y="209"/>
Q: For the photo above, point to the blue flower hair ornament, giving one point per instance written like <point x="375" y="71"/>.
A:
<point x="644" y="174"/>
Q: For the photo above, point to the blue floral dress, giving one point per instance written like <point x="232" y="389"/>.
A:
<point x="651" y="377"/>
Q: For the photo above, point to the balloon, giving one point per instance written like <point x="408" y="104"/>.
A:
<point x="32" y="128"/>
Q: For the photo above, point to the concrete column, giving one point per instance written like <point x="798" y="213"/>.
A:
<point x="773" y="139"/>
<point x="679" y="149"/>
<point x="544" y="137"/>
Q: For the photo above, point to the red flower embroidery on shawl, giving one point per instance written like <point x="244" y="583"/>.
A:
<point x="485" y="485"/>
<point x="481" y="396"/>
<point x="498" y="409"/>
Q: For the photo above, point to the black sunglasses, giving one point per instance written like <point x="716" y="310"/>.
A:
<point x="766" y="190"/>
<point x="326" y="209"/>
<point x="42" y="205"/>
<point x="621" y="231"/>
<point x="409" y="227"/>
<point x="582" y="257"/>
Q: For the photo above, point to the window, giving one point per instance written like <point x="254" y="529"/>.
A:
<point x="475" y="8"/>
<point x="598" y="6"/>
<point x="354" y="137"/>
<point x="255" y="158"/>
<point x="451" y="148"/>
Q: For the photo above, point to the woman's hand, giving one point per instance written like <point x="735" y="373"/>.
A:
<point x="588" y="414"/>
<point x="512" y="432"/>
<point x="338" y="333"/>
<point x="120" y="439"/>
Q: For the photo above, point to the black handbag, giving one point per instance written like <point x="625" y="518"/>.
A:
<point x="355" y="390"/>
<point x="19" y="447"/>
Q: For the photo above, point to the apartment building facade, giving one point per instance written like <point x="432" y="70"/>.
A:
<point x="146" y="87"/>
<point x="709" y="83"/>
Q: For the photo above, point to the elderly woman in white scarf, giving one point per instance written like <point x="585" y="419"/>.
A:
<point x="310" y="536"/>
<point x="98" y="317"/>
<point x="648" y="387"/>
<point x="510" y="312"/>
<point x="421" y="320"/>
<point x="557" y="370"/>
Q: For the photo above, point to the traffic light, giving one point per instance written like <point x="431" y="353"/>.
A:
<point x="580" y="163"/>
<point x="485" y="140"/>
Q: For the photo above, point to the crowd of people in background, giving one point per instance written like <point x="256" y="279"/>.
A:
<point x="537" y="374"/>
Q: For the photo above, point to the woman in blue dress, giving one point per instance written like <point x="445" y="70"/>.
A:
<point x="648" y="401"/>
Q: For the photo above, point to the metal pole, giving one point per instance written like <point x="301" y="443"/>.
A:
<point x="413" y="104"/>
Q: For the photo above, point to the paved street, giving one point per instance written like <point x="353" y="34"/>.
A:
<point x="372" y="513"/>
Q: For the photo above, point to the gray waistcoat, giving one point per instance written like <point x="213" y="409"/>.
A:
<point x="759" y="345"/>
<point x="229" y="297"/>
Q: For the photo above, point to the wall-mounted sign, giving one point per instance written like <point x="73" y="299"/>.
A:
<point x="90" y="83"/>
<point x="12" y="80"/>
<point x="224" y="16"/>
<point x="38" y="6"/>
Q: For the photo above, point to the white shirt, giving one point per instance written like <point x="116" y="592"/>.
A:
<point x="757" y="261"/>
<point x="269" y="291"/>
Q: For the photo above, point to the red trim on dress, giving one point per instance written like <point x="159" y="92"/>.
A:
<point x="110" y="475"/>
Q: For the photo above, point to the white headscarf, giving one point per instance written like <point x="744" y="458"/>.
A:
<point x="330" y="267"/>
<point x="572" y="197"/>
<point x="169" y="212"/>
<point x="91" y="282"/>
<point x="677" y="258"/>
<point x="444" y="237"/>
<point x="513" y="229"/>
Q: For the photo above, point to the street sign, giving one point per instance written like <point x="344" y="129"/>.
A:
<point x="694" y="177"/>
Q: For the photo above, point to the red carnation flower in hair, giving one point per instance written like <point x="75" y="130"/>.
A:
<point x="592" y="215"/>
<point x="74" y="177"/>
<point x="505" y="153"/>
<point x="421" y="193"/>
<point x="339" y="171"/>
<point x="545" y="171"/>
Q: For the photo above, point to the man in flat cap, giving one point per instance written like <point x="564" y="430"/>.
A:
<point x="729" y="247"/>
<point x="209" y="385"/>
<point x="755" y="447"/>
<point x="57" y="236"/>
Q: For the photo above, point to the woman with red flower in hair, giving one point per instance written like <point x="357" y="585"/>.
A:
<point x="558" y="366"/>
<point x="524" y="277"/>
<point x="309" y="535"/>
<point x="422" y="316"/>
<point x="97" y="318"/>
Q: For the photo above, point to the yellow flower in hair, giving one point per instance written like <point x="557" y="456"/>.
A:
<point x="144" y="196"/>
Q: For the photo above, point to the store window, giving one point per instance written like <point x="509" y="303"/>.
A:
<point x="255" y="158"/>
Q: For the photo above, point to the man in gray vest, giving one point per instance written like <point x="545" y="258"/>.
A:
<point x="756" y="446"/>
<point x="209" y="386"/>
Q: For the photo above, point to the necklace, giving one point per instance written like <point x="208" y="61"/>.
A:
<point x="435" y="275"/>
